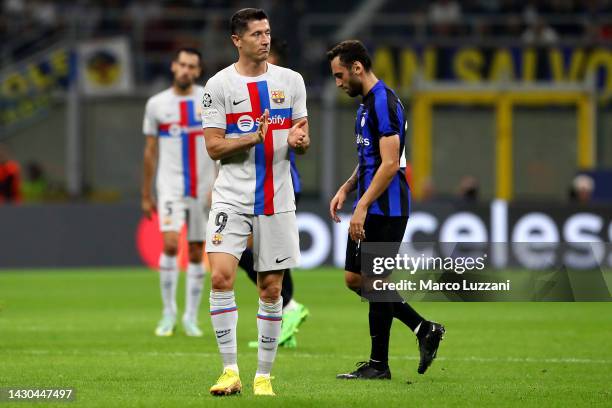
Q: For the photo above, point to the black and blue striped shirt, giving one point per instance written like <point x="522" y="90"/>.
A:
<point x="381" y="114"/>
<point x="295" y="175"/>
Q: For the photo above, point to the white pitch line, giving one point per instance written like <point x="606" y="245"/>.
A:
<point x="520" y="360"/>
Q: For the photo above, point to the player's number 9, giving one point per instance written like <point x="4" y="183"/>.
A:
<point x="220" y="221"/>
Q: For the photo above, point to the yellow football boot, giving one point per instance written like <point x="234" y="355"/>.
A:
<point x="263" y="386"/>
<point x="228" y="384"/>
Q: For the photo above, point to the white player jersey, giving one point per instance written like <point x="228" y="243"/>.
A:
<point x="184" y="169"/>
<point x="258" y="181"/>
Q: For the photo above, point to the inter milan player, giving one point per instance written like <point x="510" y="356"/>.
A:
<point x="381" y="208"/>
<point x="254" y="112"/>
<point x="185" y="173"/>
<point x="294" y="313"/>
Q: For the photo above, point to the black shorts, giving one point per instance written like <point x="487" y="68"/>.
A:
<point x="378" y="228"/>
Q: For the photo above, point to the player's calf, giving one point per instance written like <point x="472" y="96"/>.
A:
<point x="353" y="281"/>
<point x="269" y="285"/>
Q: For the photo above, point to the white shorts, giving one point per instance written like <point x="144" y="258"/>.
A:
<point x="174" y="213"/>
<point x="276" y="244"/>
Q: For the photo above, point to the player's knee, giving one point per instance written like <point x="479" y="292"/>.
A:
<point x="220" y="281"/>
<point x="195" y="254"/>
<point x="170" y="248"/>
<point x="195" y="258"/>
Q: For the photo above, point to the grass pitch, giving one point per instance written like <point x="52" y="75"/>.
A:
<point x="93" y="330"/>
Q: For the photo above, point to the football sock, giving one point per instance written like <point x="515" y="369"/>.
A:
<point x="269" y="320"/>
<point x="380" y="317"/>
<point x="407" y="315"/>
<point x="287" y="288"/>
<point x="246" y="263"/>
<point x="168" y="278"/>
<point x="194" y="287"/>
<point x="224" y="317"/>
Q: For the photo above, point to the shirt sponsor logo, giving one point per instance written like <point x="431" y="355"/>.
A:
<point x="362" y="140"/>
<point x="245" y="123"/>
<point x="174" y="130"/>
<point x="274" y="120"/>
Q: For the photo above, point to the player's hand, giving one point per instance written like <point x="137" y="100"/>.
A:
<point x="298" y="139"/>
<point x="148" y="206"/>
<point x="336" y="204"/>
<point x="262" y="129"/>
<point x="356" y="229"/>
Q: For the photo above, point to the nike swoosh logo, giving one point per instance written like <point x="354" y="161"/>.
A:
<point x="219" y="335"/>
<point x="239" y="102"/>
<point x="268" y="341"/>
<point x="282" y="260"/>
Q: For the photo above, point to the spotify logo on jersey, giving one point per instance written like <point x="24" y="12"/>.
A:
<point x="174" y="130"/>
<point x="245" y="123"/>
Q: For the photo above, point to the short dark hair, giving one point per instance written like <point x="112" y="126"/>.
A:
<point x="279" y="48"/>
<point x="188" y="50"/>
<point x="240" y="20"/>
<point x="350" y="51"/>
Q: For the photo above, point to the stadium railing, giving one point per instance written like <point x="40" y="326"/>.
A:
<point x="503" y="98"/>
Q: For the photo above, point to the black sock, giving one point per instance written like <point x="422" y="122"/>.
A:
<point x="407" y="315"/>
<point x="287" y="290"/>
<point x="246" y="263"/>
<point x="381" y="317"/>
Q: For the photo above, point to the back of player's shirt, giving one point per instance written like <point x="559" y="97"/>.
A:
<point x="257" y="181"/>
<point x="380" y="115"/>
<point x="185" y="169"/>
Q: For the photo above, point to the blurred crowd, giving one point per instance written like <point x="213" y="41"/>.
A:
<point x="534" y="21"/>
<point x="28" y="183"/>
<point x="27" y="25"/>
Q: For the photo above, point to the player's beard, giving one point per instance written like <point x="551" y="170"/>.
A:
<point x="354" y="86"/>
<point x="183" y="84"/>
